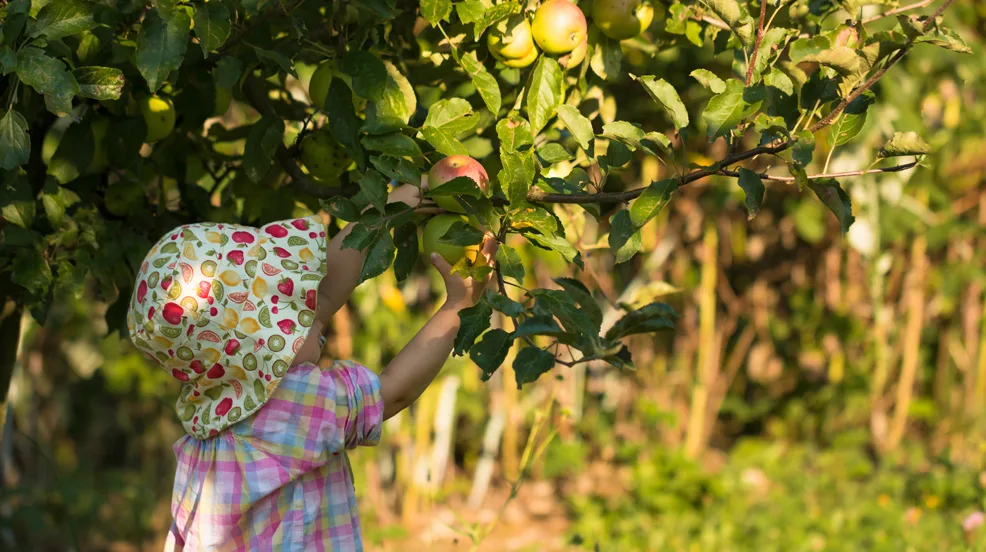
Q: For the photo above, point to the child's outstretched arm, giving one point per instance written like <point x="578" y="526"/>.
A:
<point x="345" y="264"/>
<point x="414" y="368"/>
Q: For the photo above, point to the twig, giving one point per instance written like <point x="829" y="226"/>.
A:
<point x="765" y="176"/>
<point x="901" y="9"/>
<point x="756" y="45"/>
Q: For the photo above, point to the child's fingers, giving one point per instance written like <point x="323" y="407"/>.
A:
<point x="441" y="265"/>
<point x="424" y="182"/>
<point x="489" y="249"/>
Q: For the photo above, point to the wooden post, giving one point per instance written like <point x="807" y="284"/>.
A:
<point x="704" y="369"/>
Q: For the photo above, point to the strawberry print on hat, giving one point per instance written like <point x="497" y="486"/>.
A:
<point x="224" y="309"/>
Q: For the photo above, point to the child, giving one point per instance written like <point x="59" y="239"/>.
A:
<point x="237" y="315"/>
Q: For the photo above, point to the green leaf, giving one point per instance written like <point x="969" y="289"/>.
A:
<point x="379" y="257"/>
<point x="31" y="272"/>
<point x="530" y="363"/>
<point x="732" y="14"/>
<point x="8" y="61"/>
<point x="73" y="155"/>
<point x="581" y="294"/>
<point x="99" y="83"/>
<point x="15" y="144"/>
<point x="373" y="187"/>
<point x="342" y="208"/>
<point x="561" y="305"/>
<point x="621" y="228"/>
<point x="665" y="95"/>
<point x="343" y="123"/>
<point x="490" y="353"/>
<point x="625" y="132"/>
<point x="17" y="203"/>
<point x="493" y="15"/>
<point x="540" y="324"/>
<point x="851" y="121"/>
<point x="804" y="47"/>
<point x="436" y="11"/>
<point x="728" y="109"/>
<point x="577" y="124"/>
<point x="61" y="18"/>
<point x="406" y="240"/>
<point x="211" y="25"/>
<point x="471" y="11"/>
<point x="514" y="133"/>
<point x="368" y="73"/>
<point x="443" y="142"/>
<point x="841" y="58"/>
<point x="772" y="40"/>
<point x="453" y="116"/>
<point x="505" y="305"/>
<point x="536" y="217"/>
<point x="380" y="8"/>
<point x="752" y="186"/>
<point x="56" y="200"/>
<point x="517" y="174"/>
<point x="836" y="199"/>
<point x="554" y="152"/>
<point x="462" y="234"/>
<point x="607" y="56"/>
<point x="945" y="38"/>
<point x="483" y="81"/>
<point x="557" y="244"/>
<point x="275" y="60"/>
<point x="258" y="152"/>
<point x="651" y="202"/>
<point x="48" y="76"/>
<point x="545" y="94"/>
<point x="396" y="104"/>
<point x="458" y="186"/>
<point x="473" y="321"/>
<point x="511" y="265"/>
<point x="905" y="143"/>
<point x="396" y="144"/>
<point x="709" y="80"/>
<point x="803" y="150"/>
<point x="228" y="71"/>
<point x="361" y="236"/>
<point x="617" y="155"/>
<point x="649" y="318"/>
<point x="161" y="45"/>
<point x="124" y="140"/>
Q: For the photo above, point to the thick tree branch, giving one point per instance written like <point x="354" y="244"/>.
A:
<point x="756" y="45"/>
<point x="765" y="176"/>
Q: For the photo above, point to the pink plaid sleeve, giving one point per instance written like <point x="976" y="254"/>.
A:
<point x="358" y="403"/>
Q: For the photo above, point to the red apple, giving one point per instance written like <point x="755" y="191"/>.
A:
<point x="179" y="375"/>
<point x="172" y="313"/>
<point x="281" y="252"/>
<point x="243" y="237"/>
<point x="451" y="167"/>
<point x="300" y="224"/>
<point x="224" y="406"/>
<point x="276" y="230"/>
<point x="217" y="371"/>
<point x="141" y="291"/>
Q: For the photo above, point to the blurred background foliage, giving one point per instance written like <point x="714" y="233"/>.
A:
<point x="847" y="375"/>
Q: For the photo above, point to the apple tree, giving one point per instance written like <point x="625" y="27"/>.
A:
<point x="122" y="119"/>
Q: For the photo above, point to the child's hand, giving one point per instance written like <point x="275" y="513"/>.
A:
<point x="463" y="293"/>
<point x="407" y="193"/>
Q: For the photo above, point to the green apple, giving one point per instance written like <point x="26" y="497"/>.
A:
<point x="622" y="19"/>
<point x="224" y="97"/>
<point x="512" y="43"/>
<point x="436" y="227"/>
<point x="99" y="126"/>
<point x="318" y="87"/>
<point x="559" y="26"/>
<point x="159" y="114"/>
<point x="323" y="156"/>
<point x="451" y="167"/>
<point x="575" y="58"/>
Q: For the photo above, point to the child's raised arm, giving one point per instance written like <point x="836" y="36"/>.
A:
<point x="414" y="368"/>
<point x="345" y="264"/>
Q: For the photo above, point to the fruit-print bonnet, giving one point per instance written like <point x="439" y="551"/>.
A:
<point x="224" y="309"/>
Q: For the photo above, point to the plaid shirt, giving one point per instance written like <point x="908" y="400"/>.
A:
<point x="281" y="479"/>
